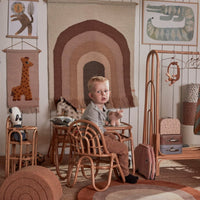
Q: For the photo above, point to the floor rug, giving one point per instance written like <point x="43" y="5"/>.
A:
<point x="143" y="190"/>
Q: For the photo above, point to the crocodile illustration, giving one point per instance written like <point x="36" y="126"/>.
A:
<point x="175" y="14"/>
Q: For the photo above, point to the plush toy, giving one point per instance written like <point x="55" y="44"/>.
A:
<point x="114" y="117"/>
<point x="67" y="109"/>
<point x="40" y="158"/>
<point x="16" y="119"/>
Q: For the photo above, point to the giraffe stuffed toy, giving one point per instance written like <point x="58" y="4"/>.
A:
<point x="24" y="87"/>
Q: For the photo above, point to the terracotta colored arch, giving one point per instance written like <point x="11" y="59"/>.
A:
<point x="91" y="25"/>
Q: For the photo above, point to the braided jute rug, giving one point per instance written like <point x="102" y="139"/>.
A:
<point x="143" y="190"/>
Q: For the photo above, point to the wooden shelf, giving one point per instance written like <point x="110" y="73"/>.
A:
<point x="188" y="153"/>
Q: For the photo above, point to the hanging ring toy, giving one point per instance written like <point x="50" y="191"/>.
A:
<point x="174" y="77"/>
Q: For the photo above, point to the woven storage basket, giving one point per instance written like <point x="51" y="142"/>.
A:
<point x="189" y="111"/>
<point x="191" y="93"/>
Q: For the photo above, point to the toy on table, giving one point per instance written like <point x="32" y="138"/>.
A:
<point x="114" y="117"/>
<point x="64" y="108"/>
<point x="16" y="119"/>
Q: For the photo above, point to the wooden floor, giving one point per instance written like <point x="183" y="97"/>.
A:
<point x="184" y="172"/>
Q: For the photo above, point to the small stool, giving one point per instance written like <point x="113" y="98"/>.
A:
<point x="22" y="152"/>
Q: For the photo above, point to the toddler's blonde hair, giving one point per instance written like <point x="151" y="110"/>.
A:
<point x="95" y="79"/>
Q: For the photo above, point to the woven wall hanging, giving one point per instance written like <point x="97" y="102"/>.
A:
<point x="91" y="39"/>
<point x="22" y="79"/>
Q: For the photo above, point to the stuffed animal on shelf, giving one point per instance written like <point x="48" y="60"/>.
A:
<point x="114" y="117"/>
<point x="16" y="119"/>
<point x="66" y="109"/>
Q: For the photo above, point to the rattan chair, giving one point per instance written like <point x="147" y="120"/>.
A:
<point x="88" y="151"/>
<point x="23" y="152"/>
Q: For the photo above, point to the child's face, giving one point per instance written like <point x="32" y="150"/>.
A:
<point x="100" y="93"/>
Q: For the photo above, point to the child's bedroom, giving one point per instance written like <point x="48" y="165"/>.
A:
<point x="100" y="99"/>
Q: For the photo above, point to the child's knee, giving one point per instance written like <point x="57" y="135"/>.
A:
<point x="112" y="136"/>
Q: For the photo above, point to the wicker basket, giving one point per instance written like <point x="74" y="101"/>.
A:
<point x="189" y="111"/>
<point x="191" y="93"/>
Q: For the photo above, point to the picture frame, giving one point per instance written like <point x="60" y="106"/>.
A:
<point x="169" y="23"/>
<point x="22" y="19"/>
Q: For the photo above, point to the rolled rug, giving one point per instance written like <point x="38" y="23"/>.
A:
<point x="197" y="117"/>
<point x="190" y="97"/>
<point x="33" y="182"/>
<point x="189" y="111"/>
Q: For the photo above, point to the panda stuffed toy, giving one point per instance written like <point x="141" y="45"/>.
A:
<point x="16" y="119"/>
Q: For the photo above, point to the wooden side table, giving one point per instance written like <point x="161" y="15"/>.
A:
<point x="124" y="134"/>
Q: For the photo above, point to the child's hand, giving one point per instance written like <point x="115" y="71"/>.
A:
<point x="106" y="123"/>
